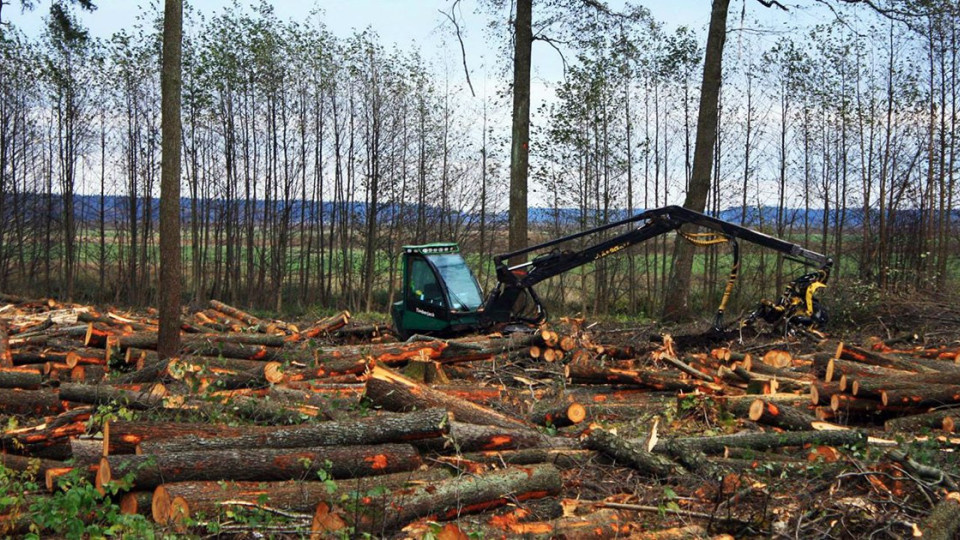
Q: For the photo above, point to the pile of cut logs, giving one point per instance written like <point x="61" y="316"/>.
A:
<point x="337" y="426"/>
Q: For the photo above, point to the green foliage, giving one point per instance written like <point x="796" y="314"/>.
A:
<point x="110" y="412"/>
<point x="668" y="501"/>
<point x="853" y="302"/>
<point x="75" y="510"/>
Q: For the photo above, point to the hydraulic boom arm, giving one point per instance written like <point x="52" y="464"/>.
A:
<point x="516" y="280"/>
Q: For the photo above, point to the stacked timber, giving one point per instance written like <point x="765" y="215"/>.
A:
<point x="340" y="429"/>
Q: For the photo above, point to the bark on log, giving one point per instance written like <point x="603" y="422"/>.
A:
<point x="452" y="498"/>
<point x="6" y="359"/>
<point x="30" y="402"/>
<point x="86" y="451"/>
<point x="149" y="471"/>
<point x="836" y="367"/>
<point x="122" y="437"/>
<point x="235" y="313"/>
<point x="207" y="497"/>
<point x="916" y="422"/>
<point x="88" y="374"/>
<point x="87" y="472"/>
<point x="583" y="373"/>
<point x="137" y="502"/>
<point x="943" y="523"/>
<point x="324" y="326"/>
<point x="780" y="415"/>
<point x="14" y="377"/>
<point x="37" y="466"/>
<point x="766" y="441"/>
<point x="564" y="458"/>
<point x="565" y="414"/>
<point x="387" y="354"/>
<point x="481" y="395"/>
<point x="331" y="367"/>
<point x="864" y="356"/>
<point x="398" y="393"/>
<point x="465" y="437"/>
<point x="821" y="393"/>
<point x="384" y="428"/>
<point x="632" y="454"/>
<point x="226" y="345"/>
<point x="602" y="394"/>
<point x="215" y="379"/>
<point x="153" y="371"/>
<point x="99" y="394"/>
<point x="927" y="395"/>
<point x="50" y="439"/>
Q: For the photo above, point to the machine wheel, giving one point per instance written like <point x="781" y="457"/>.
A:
<point x="820" y="316"/>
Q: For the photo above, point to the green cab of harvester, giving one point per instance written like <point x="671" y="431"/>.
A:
<point x="440" y="294"/>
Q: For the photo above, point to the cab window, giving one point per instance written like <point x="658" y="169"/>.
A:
<point x="423" y="283"/>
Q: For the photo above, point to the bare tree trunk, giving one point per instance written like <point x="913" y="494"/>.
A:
<point x="675" y="305"/>
<point x="169" y="333"/>
<point x="520" y="144"/>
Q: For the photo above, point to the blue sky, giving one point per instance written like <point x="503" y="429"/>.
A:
<point x="409" y="22"/>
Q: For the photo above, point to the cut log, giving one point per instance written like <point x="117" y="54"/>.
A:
<point x="864" y="356"/>
<point x="780" y="415"/>
<point x="86" y="451"/>
<point x="331" y="367"/>
<point x="465" y="437"/>
<point x="122" y="437"/>
<point x="866" y="408"/>
<point x="384" y="428"/>
<point x="149" y="471"/>
<point x="565" y="458"/>
<point x="207" y="497"/>
<point x="236" y="313"/>
<point x="821" y="393"/>
<point x="583" y="373"/>
<point x="87" y="472"/>
<point x="394" y="392"/>
<point x="213" y="379"/>
<point x="565" y="414"/>
<point x="30" y="402"/>
<point x="97" y="334"/>
<point x="463" y="495"/>
<point x="6" y="358"/>
<point x="943" y="523"/>
<point x="324" y="326"/>
<point x="604" y="523"/>
<point x="766" y="441"/>
<point x="148" y="371"/>
<point x="88" y="374"/>
<point x="50" y="439"/>
<point x="858" y="370"/>
<point x="927" y="395"/>
<point x="777" y="358"/>
<point x="137" y="502"/>
<point x="935" y="419"/>
<point x="18" y="377"/>
<point x="387" y="354"/>
<point x="99" y="394"/>
<point x="481" y="395"/>
<point x="632" y="454"/>
<point x="36" y="467"/>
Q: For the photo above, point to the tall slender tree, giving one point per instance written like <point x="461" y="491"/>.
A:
<point x="170" y="81"/>
<point x="675" y="303"/>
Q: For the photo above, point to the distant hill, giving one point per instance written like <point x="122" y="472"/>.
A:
<point x="116" y="209"/>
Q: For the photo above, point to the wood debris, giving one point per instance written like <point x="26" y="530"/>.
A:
<point x="333" y="425"/>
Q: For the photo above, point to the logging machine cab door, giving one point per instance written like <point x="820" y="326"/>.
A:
<point x="440" y="293"/>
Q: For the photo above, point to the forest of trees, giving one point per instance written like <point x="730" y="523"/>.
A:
<point x="309" y="158"/>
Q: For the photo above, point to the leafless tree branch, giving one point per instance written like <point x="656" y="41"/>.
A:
<point x="773" y="3"/>
<point x="452" y="17"/>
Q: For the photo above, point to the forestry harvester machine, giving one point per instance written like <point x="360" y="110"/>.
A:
<point x="441" y="296"/>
